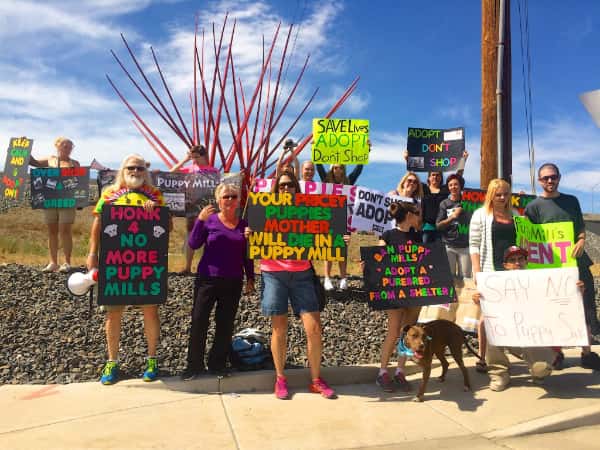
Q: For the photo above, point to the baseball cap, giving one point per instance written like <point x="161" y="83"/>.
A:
<point x="514" y="250"/>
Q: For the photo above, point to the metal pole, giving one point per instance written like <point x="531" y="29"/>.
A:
<point x="499" y="92"/>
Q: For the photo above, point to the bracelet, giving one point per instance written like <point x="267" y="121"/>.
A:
<point x="92" y="254"/>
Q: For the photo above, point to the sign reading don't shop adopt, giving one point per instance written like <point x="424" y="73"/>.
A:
<point x="298" y="227"/>
<point x="60" y="187"/>
<point x="371" y="210"/>
<point x="133" y="262"/>
<point x="435" y="150"/>
<point x="15" y="168"/>
<point x="340" y="141"/>
<point x="409" y="274"/>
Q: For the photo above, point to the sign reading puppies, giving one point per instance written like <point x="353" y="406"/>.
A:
<point x="301" y="226"/>
<point x="60" y="187"/>
<point x="408" y="274"/>
<point x="133" y="255"/>
<point x="533" y="308"/>
<point x="15" y="168"/>
<point x="435" y="150"/>
<point x="340" y="141"/>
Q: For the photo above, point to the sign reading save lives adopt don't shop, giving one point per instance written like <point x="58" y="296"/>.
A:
<point x="434" y="150"/>
<point x="340" y="141"/>
<point x="133" y="261"/>
<point x="297" y="227"/>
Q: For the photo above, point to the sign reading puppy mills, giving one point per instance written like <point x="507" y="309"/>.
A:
<point x="15" y="168"/>
<point x="133" y="255"/>
<point x="340" y="141"/>
<point x="298" y="227"/>
<point x="436" y="150"/>
<point x="408" y="274"/>
<point x="60" y="187"/>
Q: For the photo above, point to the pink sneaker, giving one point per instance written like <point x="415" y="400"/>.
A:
<point x="281" y="388"/>
<point x="319" y="386"/>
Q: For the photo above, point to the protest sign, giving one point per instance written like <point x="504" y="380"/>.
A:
<point x="409" y="274"/>
<point x="438" y="150"/>
<point x="301" y="226"/>
<point x="60" y="187"/>
<point x="133" y="259"/>
<point x="15" y="169"/>
<point x="340" y="141"/>
<point x="316" y="187"/>
<point x="548" y="245"/>
<point x="533" y="308"/>
<point x="371" y="210"/>
<point x="187" y="193"/>
<point x="105" y="178"/>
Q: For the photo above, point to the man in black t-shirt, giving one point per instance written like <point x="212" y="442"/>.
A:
<point x="552" y="206"/>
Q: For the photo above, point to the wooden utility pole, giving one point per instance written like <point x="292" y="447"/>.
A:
<point x="490" y="13"/>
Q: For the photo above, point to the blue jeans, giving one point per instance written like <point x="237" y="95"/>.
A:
<point x="278" y="287"/>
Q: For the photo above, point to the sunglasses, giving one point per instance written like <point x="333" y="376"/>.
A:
<point x="411" y="181"/>
<point x="287" y="184"/>
<point x="136" y="168"/>
<point x="229" y="197"/>
<point x="549" y="178"/>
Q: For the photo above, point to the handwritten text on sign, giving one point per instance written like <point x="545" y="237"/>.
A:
<point x="548" y="245"/>
<point x="408" y="274"/>
<point x="15" y="169"/>
<point x="133" y="256"/>
<point x="439" y="150"/>
<point x="340" y="141"/>
<point x="304" y="226"/>
<point x="371" y="210"/>
<point x="532" y="308"/>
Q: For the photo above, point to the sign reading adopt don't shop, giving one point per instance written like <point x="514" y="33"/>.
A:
<point x="133" y="262"/>
<point x="435" y="149"/>
<point x="297" y="227"/>
<point x="340" y="141"/>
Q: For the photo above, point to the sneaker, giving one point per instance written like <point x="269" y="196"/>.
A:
<point x="319" y="386"/>
<point x="51" y="267"/>
<point x="559" y="361"/>
<point x="151" y="372"/>
<point x="540" y="370"/>
<point x="110" y="373"/>
<point x="590" y="360"/>
<point x="400" y="380"/>
<point x="498" y="385"/>
<point x="343" y="284"/>
<point x="327" y="284"/>
<point x="281" y="388"/>
<point x="385" y="382"/>
<point x="190" y="374"/>
<point x="65" y="268"/>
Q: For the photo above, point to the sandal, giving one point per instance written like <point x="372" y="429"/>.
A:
<point x="50" y="268"/>
<point x="481" y="366"/>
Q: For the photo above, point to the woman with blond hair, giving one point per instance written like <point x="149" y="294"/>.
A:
<point x="409" y="186"/>
<point x="491" y="231"/>
<point x="59" y="220"/>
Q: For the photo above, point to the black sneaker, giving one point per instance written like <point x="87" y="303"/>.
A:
<point x="590" y="360"/>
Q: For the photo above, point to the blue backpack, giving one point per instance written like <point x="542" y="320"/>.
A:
<point x="249" y="350"/>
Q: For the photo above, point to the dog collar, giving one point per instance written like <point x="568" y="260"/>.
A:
<point x="403" y="349"/>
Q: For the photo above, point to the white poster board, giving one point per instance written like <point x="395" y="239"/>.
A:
<point x="591" y="101"/>
<point x="533" y="308"/>
<point x="370" y="212"/>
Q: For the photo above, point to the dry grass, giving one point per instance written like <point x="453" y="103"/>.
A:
<point x="23" y="240"/>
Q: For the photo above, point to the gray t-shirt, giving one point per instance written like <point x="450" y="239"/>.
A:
<point x="451" y="235"/>
<point x="564" y="208"/>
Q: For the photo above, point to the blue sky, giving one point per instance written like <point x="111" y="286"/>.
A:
<point x="419" y="64"/>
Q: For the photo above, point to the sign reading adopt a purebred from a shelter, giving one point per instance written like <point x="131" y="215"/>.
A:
<point x="15" y="168"/>
<point x="297" y="227"/>
<point x="133" y="261"/>
<point x="340" y="141"/>
<point x="435" y="149"/>
<point x="60" y="187"/>
<point x="408" y="274"/>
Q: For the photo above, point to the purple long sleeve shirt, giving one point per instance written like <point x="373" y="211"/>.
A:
<point x="225" y="250"/>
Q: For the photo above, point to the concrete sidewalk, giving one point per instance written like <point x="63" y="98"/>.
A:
<point x="171" y="414"/>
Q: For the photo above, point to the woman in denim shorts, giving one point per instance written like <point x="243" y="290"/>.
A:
<point x="291" y="281"/>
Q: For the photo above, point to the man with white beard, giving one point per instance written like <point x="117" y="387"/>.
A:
<point x="132" y="187"/>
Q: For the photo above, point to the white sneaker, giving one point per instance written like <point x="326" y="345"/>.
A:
<point x="65" y="268"/>
<point x="328" y="285"/>
<point x="343" y="284"/>
<point x="51" y="267"/>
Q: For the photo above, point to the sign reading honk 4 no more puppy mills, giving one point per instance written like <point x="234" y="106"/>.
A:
<point x="301" y="226"/>
<point x="340" y="141"/>
<point x="435" y="150"/>
<point x="133" y="261"/>
<point x="15" y="168"/>
<point x="408" y="274"/>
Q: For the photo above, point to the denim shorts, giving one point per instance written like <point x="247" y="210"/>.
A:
<point x="278" y="287"/>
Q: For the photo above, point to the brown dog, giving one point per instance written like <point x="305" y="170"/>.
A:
<point x="431" y="339"/>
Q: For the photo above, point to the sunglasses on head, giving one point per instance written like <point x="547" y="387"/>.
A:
<point x="286" y="184"/>
<point x="549" y="178"/>
<point x="136" y="168"/>
<point x="229" y="197"/>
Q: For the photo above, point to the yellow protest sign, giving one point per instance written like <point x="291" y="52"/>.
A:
<point x="340" y="141"/>
<point x="548" y="245"/>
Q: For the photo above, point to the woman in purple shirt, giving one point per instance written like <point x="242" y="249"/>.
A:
<point x="219" y="279"/>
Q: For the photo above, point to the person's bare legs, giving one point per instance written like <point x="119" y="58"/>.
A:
<point x="151" y="328"/>
<point x="279" y="342"/>
<point x="343" y="265"/>
<point x="53" y="242"/>
<point x="66" y="238"/>
<point x="327" y="267"/>
<point x="112" y="329"/>
<point x="314" y="347"/>
<point x="393" y="331"/>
